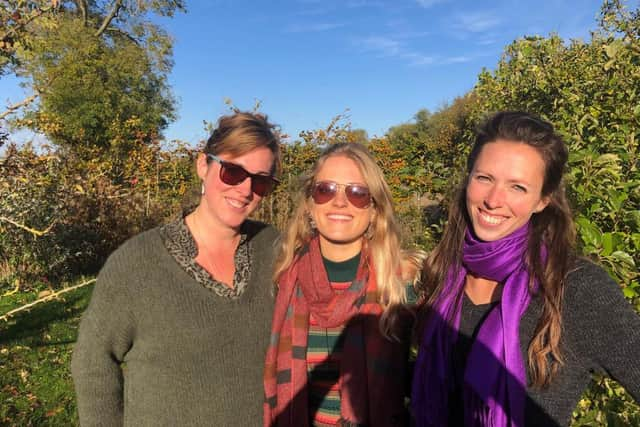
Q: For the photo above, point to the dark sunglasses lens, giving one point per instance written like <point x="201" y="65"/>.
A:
<point x="358" y="195"/>
<point x="323" y="192"/>
<point x="262" y="184"/>
<point x="232" y="174"/>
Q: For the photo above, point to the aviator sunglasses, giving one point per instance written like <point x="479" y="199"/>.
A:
<point x="357" y="194"/>
<point x="233" y="174"/>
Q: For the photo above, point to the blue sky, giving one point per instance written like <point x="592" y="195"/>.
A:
<point x="309" y="60"/>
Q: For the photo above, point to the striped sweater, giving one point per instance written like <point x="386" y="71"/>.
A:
<point x="324" y="350"/>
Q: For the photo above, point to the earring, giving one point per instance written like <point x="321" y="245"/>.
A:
<point x="312" y="223"/>
<point x="202" y="190"/>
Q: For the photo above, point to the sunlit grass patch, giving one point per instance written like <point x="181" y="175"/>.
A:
<point x="35" y="353"/>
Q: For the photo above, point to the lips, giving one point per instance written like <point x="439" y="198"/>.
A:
<point x="491" y="219"/>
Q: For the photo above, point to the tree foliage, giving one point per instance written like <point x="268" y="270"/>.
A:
<point x="590" y="91"/>
<point x="62" y="215"/>
<point x="93" y="66"/>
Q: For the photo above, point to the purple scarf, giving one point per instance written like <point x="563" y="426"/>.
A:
<point x="494" y="389"/>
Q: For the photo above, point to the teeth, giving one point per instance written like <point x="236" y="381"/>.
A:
<point x="236" y="203"/>
<point x="340" y="217"/>
<point x="492" y="219"/>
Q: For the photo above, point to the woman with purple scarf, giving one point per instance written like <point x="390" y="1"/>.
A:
<point x="515" y="323"/>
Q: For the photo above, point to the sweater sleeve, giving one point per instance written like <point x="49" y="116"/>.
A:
<point x="603" y="327"/>
<point x="105" y="336"/>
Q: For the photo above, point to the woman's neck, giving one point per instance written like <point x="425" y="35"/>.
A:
<point x="481" y="290"/>
<point x="216" y="247"/>
<point x="208" y="232"/>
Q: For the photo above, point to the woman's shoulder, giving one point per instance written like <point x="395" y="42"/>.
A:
<point x="588" y="287"/>
<point x="141" y="248"/>
<point x="131" y="259"/>
<point x="585" y="276"/>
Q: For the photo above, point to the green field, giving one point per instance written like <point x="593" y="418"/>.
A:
<point x="35" y="353"/>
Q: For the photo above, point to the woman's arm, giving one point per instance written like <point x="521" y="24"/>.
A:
<point x="105" y="336"/>
<point x="604" y="327"/>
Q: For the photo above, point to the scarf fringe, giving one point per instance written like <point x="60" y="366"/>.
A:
<point x="476" y="412"/>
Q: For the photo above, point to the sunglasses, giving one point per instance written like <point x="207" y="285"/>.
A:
<point x="233" y="174"/>
<point x="357" y="194"/>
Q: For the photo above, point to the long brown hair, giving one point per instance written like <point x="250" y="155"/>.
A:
<point x="552" y="227"/>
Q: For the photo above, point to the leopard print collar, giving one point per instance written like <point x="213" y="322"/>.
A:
<point x="180" y="243"/>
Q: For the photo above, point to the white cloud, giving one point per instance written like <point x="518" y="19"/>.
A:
<point x="418" y="59"/>
<point x="456" y="59"/>
<point x="356" y="3"/>
<point x="477" y="22"/>
<point x="384" y="46"/>
<point x="428" y="3"/>
<point x="391" y="47"/>
<point x="313" y="28"/>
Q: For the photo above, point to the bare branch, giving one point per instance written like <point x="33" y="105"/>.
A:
<point x="36" y="233"/>
<point x="107" y="20"/>
<point x="12" y="108"/>
<point x="49" y="297"/>
<point x="15" y="289"/>
<point x="124" y="34"/>
<point x="82" y="6"/>
<point x="13" y="31"/>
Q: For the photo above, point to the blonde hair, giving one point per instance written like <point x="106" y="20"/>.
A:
<point x="393" y="266"/>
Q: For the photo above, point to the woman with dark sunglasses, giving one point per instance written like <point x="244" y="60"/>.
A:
<point x="178" y="322"/>
<point x="339" y="341"/>
<point x="515" y="322"/>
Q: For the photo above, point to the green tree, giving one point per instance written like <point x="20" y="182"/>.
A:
<point x="93" y="66"/>
<point x="590" y="92"/>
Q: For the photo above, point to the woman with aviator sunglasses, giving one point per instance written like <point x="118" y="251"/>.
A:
<point x="179" y="318"/>
<point x="338" y="348"/>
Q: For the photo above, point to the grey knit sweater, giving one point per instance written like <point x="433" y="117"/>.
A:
<point x="156" y="348"/>
<point x="601" y="333"/>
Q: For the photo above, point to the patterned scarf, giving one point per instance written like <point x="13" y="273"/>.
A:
<point x="371" y="368"/>
<point x="495" y="375"/>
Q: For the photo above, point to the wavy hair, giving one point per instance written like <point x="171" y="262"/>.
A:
<point x="552" y="227"/>
<point x="383" y="239"/>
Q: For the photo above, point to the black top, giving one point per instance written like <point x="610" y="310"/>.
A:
<point x="601" y="333"/>
<point x="472" y="317"/>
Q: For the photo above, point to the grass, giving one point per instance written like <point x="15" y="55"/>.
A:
<point x="35" y="353"/>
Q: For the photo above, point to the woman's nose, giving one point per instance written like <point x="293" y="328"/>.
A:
<point x="494" y="198"/>
<point x="341" y="197"/>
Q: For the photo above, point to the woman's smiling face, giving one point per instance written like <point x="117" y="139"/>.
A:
<point x="340" y="224"/>
<point x="504" y="188"/>
<point x="230" y="205"/>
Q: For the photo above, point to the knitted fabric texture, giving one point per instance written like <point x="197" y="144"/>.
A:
<point x="156" y="348"/>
